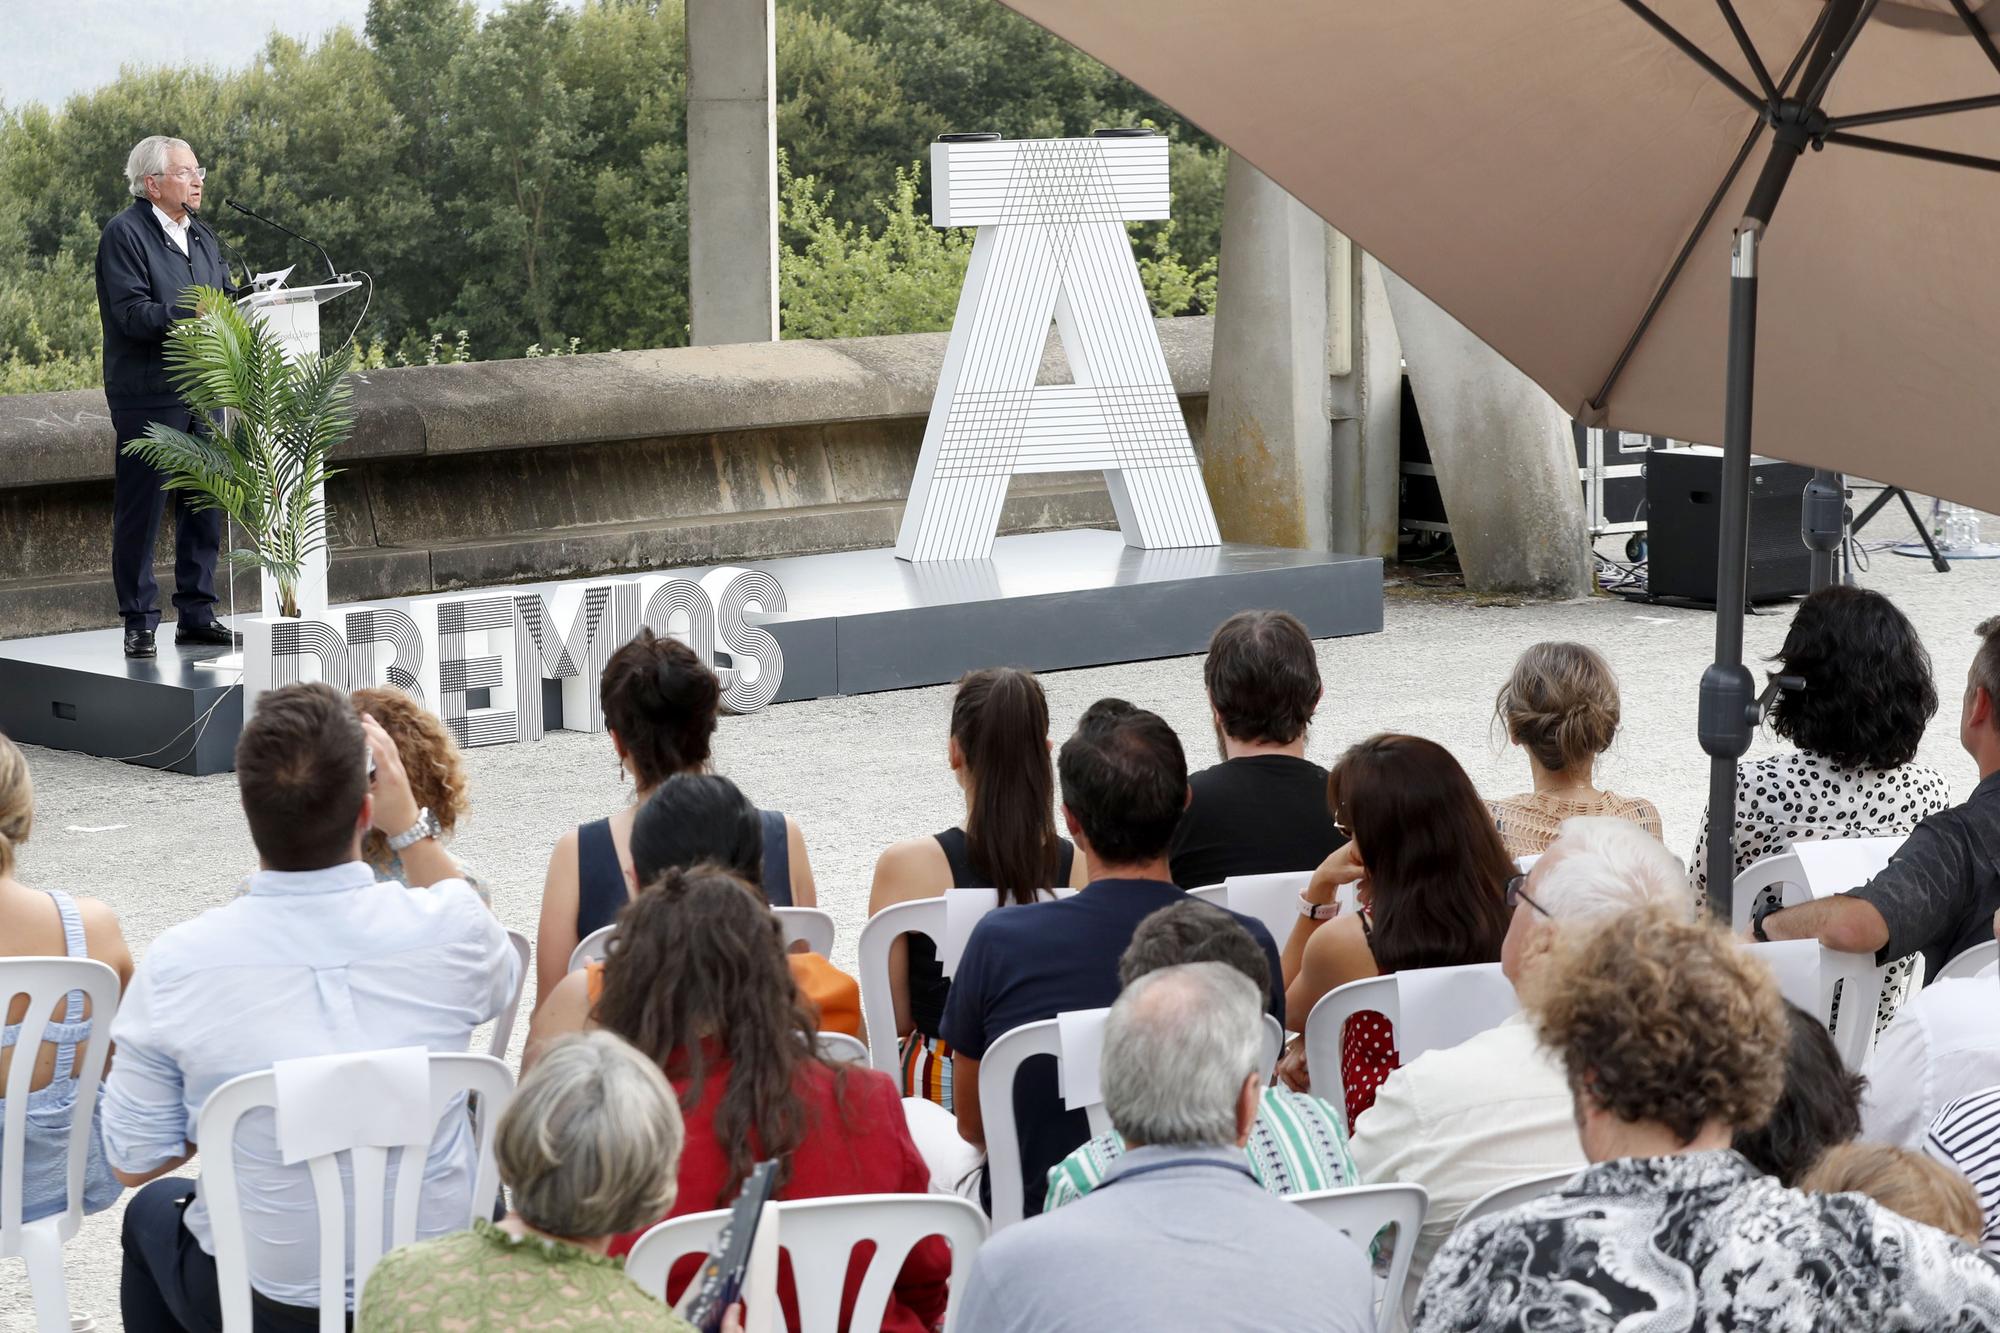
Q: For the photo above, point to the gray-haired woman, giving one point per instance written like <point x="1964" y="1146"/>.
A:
<point x="589" y="1147"/>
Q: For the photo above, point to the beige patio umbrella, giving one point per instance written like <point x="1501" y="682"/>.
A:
<point x="1586" y="185"/>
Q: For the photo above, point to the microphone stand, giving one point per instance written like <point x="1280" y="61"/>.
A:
<point x="331" y="274"/>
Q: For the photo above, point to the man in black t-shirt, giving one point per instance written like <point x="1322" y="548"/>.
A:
<point x="1262" y="810"/>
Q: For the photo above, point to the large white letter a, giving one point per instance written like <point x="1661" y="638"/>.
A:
<point x="1052" y="244"/>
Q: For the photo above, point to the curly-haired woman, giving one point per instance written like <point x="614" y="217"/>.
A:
<point x="431" y="761"/>
<point x="1673" y="1038"/>
<point x="1854" y="728"/>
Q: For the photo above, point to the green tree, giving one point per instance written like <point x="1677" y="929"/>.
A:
<point x="839" y="279"/>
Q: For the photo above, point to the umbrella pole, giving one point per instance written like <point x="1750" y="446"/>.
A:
<point x="1728" y="694"/>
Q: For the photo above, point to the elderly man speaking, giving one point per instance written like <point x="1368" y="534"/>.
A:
<point x="148" y="257"/>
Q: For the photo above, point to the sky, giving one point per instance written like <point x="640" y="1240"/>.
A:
<point x="50" y="49"/>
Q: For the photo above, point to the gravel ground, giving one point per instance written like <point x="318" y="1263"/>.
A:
<point x="858" y="773"/>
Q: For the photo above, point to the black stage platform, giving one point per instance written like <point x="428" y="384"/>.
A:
<point x="860" y="621"/>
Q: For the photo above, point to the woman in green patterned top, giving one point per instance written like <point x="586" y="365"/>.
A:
<point x="1298" y="1143"/>
<point x="589" y="1147"/>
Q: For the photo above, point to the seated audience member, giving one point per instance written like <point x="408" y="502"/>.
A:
<point x="1938" y="894"/>
<point x="589" y="1147"/>
<point x="1966" y="1137"/>
<point x="315" y="957"/>
<point x="1673" y="1038"/>
<point x="1942" y="1045"/>
<point x="702" y="819"/>
<point x="1178" y="1235"/>
<point x="999" y="752"/>
<point x="1496" y="1108"/>
<point x="1297" y="1144"/>
<point x="1262" y="810"/>
<point x="1124" y="785"/>
<point x="1561" y="706"/>
<point x="1433" y="894"/>
<point x="1906" y="1183"/>
<point x="44" y="923"/>
<point x="660" y="705"/>
<point x="431" y="762"/>
<point x="697" y="980"/>
<point x="1819" y="1109"/>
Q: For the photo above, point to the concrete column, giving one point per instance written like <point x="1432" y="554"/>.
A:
<point x="732" y="129"/>
<point x="1505" y="458"/>
<point x="1304" y="387"/>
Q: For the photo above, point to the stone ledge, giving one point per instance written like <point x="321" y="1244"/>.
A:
<point x="54" y="438"/>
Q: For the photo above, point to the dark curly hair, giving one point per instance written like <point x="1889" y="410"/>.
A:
<point x="1819" y="1108"/>
<point x="1868" y="690"/>
<point x="1659" y="1019"/>
<point x="661" y="701"/>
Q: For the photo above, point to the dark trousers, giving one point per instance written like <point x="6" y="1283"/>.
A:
<point x="168" y="1284"/>
<point x="137" y="501"/>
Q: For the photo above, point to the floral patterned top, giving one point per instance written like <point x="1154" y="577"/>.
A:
<point x="1701" y="1241"/>
<point x="487" y="1278"/>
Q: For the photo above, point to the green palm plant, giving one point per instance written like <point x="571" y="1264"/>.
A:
<point x="267" y="428"/>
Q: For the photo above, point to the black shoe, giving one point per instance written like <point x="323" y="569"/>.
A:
<point x="212" y="634"/>
<point x="139" y="643"/>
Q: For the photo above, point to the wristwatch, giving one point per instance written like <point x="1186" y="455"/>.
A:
<point x="1313" y="911"/>
<point x="1758" y="918"/>
<point x="425" y="827"/>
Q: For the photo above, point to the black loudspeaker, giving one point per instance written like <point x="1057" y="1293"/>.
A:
<point x="1683" y="499"/>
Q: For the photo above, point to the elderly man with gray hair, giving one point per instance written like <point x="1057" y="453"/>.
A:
<point x="147" y="258"/>
<point x="1178" y="1234"/>
<point x="1497" y="1108"/>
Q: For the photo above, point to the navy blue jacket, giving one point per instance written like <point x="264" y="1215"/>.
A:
<point x="141" y="276"/>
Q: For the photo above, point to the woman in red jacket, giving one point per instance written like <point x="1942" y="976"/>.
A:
<point x="697" y="979"/>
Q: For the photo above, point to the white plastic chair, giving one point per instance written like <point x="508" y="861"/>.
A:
<point x="1361" y="1212"/>
<point x="842" y="1049"/>
<point x="806" y="925"/>
<point x="1326" y="1022"/>
<point x="996" y="1112"/>
<point x="1515" y="1193"/>
<point x="1810" y="870"/>
<point x="38" y="1244"/>
<point x="1212" y="893"/>
<point x="921" y="916"/>
<point x="820" y="1235"/>
<point x="1271" y="899"/>
<point x="1980" y="958"/>
<point x="479" y="1076"/>
<point x="503" y="1026"/>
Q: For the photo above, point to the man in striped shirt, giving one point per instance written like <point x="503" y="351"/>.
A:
<point x="1297" y="1142"/>
<point x="1966" y="1137"/>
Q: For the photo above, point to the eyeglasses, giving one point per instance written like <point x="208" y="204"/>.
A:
<point x="184" y="174"/>
<point x="1517" y="892"/>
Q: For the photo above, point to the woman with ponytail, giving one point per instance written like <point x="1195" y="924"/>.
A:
<point x="999" y="752"/>
<point x="697" y="979"/>
<point x="41" y="923"/>
<point x="1561" y="706"/>
<point x="660" y="706"/>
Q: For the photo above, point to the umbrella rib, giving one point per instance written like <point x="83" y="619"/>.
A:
<point x="1978" y="30"/>
<point x="1812" y="39"/>
<point x="1895" y="149"/>
<point x="1680" y="262"/>
<point x="1832" y="67"/>
<point x="1749" y="50"/>
<point x="1696" y="54"/>
<point x="1913" y="112"/>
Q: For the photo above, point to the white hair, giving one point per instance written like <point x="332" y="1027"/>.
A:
<point x="1600" y="865"/>
<point x="1177" y="1046"/>
<point x="149" y="158"/>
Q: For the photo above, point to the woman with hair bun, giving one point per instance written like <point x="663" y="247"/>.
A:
<point x="660" y="706"/>
<point x="1561" y="706"/>
<point x="999" y="752"/>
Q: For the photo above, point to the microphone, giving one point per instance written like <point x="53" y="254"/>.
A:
<point x="330" y="273"/>
<point x="229" y="254"/>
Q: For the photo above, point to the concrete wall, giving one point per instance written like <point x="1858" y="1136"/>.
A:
<point x="518" y="471"/>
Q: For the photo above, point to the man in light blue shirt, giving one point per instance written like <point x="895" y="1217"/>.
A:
<point x="1178" y="1234"/>
<point x="314" y="958"/>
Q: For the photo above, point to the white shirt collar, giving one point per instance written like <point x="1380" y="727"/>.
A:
<point x="332" y="879"/>
<point x="177" y="232"/>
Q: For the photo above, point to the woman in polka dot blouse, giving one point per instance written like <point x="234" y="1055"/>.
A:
<point x="1433" y="879"/>
<point x="1854" y="730"/>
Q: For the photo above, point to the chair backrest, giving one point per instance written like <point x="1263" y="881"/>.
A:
<point x="453" y="1075"/>
<point x="1361" y="1212"/>
<point x="1431" y="1007"/>
<point x="922" y="916"/>
<point x="1212" y="893"/>
<point x="807" y="924"/>
<point x="820" y="1235"/>
<point x="503" y="1025"/>
<point x="1981" y="957"/>
<point x="45" y="982"/>
<point x="1271" y="899"/>
<point x="1515" y="1193"/>
<point x="842" y="1049"/>
<point x="1328" y="1020"/>
<point x="996" y="1111"/>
